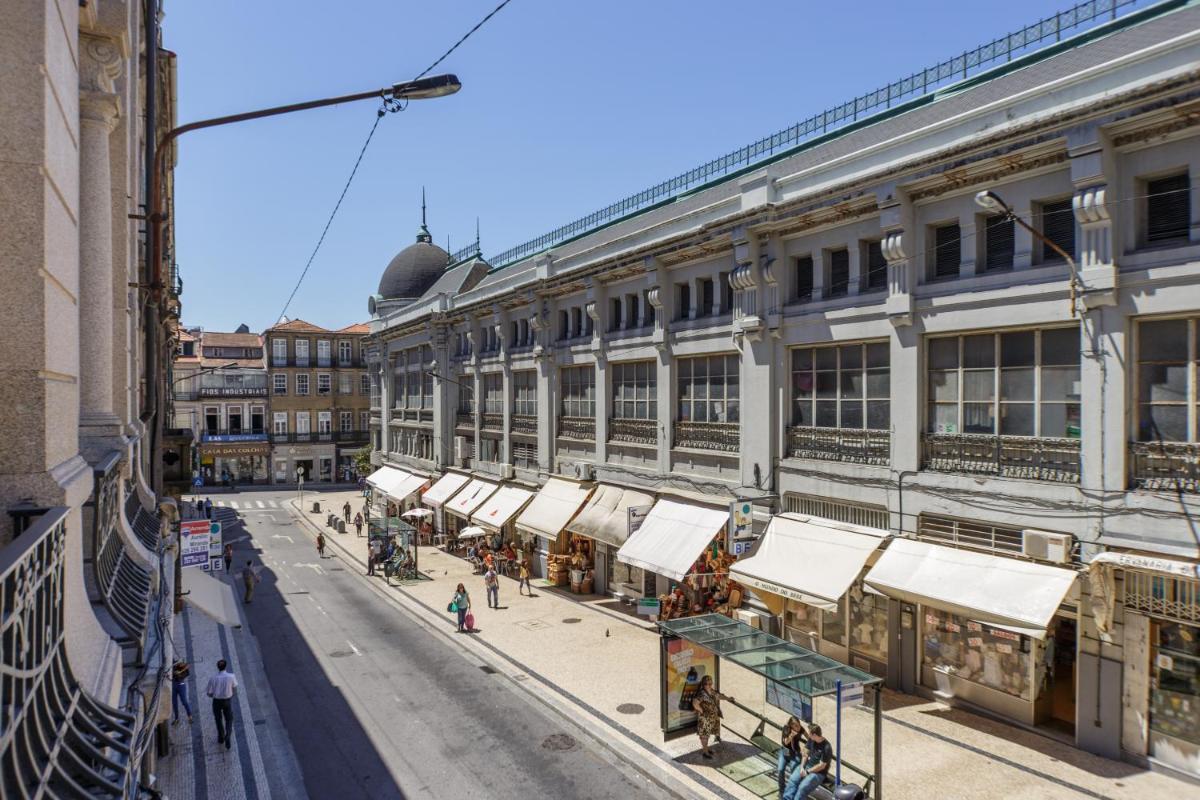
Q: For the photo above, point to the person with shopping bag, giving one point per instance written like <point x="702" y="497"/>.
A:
<point x="461" y="605"/>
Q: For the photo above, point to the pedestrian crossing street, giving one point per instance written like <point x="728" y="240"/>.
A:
<point x="242" y="505"/>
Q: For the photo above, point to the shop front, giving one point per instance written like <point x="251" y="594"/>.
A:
<point x="463" y="504"/>
<point x="497" y="514"/>
<point x="234" y="463"/>
<point x="682" y="544"/>
<point x="603" y="524"/>
<point x="982" y="629"/>
<point x="808" y="571"/>
<point x="540" y="527"/>
<point x="442" y="490"/>
<point x="397" y="488"/>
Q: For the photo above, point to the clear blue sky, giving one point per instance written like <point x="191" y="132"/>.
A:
<point x="566" y="106"/>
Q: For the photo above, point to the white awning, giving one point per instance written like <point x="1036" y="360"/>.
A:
<point x="211" y="596"/>
<point x="445" y="488"/>
<point x="672" y="537"/>
<point x="809" y="559"/>
<point x="553" y="507"/>
<point x="605" y="517"/>
<point x="395" y="483"/>
<point x="470" y="498"/>
<point x="501" y="507"/>
<point x="999" y="591"/>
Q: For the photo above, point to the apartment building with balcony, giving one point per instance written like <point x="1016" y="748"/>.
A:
<point x="319" y="400"/>
<point x="829" y="323"/>
<point x="220" y="394"/>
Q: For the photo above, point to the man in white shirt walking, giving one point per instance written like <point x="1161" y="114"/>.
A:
<point x="221" y="688"/>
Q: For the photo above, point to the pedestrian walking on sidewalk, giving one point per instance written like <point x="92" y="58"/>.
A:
<point x="524" y="573"/>
<point x="250" y="579"/>
<point x="208" y="508"/>
<point x="707" y="705"/>
<point x="228" y="558"/>
<point x="346" y="512"/>
<point x="374" y="551"/>
<point x="491" y="582"/>
<point x="221" y="688"/>
<point x="461" y="605"/>
<point x="179" y="690"/>
<point x="358" y="523"/>
<point x="321" y="545"/>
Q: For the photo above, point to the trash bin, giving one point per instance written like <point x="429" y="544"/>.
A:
<point x="316" y="507"/>
<point x="341" y="526"/>
<point x="849" y="791"/>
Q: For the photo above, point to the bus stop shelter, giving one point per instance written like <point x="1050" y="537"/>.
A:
<point x="794" y="676"/>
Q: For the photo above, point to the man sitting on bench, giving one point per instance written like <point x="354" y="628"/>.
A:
<point x="812" y="774"/>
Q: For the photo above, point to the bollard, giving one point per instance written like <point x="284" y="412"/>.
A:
<point x="316" y="507"/>
<point x="341" y="526"/>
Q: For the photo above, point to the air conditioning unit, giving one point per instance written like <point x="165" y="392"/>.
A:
<point x="1046" y="546"/>
<point x="505" y="471"/>
<point x="462" y="451"/>
<point x="584" y="471"/>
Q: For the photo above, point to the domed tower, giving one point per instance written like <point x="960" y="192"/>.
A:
<point x="412" y="272"/>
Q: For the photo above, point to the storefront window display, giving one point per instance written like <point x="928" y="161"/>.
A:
<point x="868" y="622"/>
<point x="833" y="624"/>
<point x="991" y="657"/>
<point x="1175" y="693"/>
<point x="802" y="623"/>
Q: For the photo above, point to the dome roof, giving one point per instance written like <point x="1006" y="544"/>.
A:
<point x="414" y="269"/>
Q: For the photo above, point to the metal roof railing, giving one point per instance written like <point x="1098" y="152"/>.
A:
<point x="1092" y="17"/>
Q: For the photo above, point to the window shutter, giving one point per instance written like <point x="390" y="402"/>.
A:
<point x="804" y="278"/>
<point x="1058" y="225"/>
<point x="839" y="273"/>
<point x="947" y="244"/>
<point x="1168" y="208"/>
<point x="999" y="243"/>
<point x="876" y="266"/>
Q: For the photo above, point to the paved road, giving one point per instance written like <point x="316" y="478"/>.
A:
<point x="378" y="707"/>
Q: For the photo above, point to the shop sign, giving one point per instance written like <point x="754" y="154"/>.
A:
<point x="739" y="535"/>
<point x="790" y="700"/>
<point x="194" y="538"/>
<point x="233" y="391"/>
<point x="232" y="450"/>
<point x="684" y="665"/>
<point x="635" y="516"/>
<point x="649" y="607"/>
<point x="216" y="544"/>
<point x="234" y="437"/>
<point x="1165" y="566"/>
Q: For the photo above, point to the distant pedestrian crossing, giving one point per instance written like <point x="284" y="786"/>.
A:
<point x="243" y="504"/>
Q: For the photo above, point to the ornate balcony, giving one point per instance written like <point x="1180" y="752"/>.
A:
<point x="464" y="419"/>
<point x="524" y="424"/>
<point x="633" y="431"/>
<point x="56" y="739"/>
<point x="1165" y="466"/>
<point x="1026" y="457"/>
<point x="122" y="583"/>
<point x="582" y="428"/>
<point x="144" y="524"/>
<point x="720" y="436"/>
<point x="492" y="422"/>
<point x="840" y="444"/>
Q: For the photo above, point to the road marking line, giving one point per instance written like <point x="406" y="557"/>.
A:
<point x="260" y="504"/>
<point x="233" y="504"/>
<point x="357" y="652"/>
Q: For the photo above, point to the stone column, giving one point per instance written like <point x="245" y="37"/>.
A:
<point x="99" y="108"/>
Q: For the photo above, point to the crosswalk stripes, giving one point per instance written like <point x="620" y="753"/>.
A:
<point x="260" y="504"/>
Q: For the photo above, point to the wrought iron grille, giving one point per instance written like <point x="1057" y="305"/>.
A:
<point x="633" y="431"/>
<point x="720" y="436"/>
<point x="1165" y="596"/>
<point x="916" y="89"/>
<point x="840" y="444"/>
<point x="466" y="420"/>
<point x="583" y="428"/>
<point x="1029" y="457"/>
<point x="55" y="740"/>
<point x="1165" y="466"/>
<point x="492" y="422"/>
<point x="144" y="524"/>
<point x="523" y="424"/>
<point x="123" y="583"/>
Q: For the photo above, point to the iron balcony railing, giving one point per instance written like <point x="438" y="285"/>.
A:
<point x="123" y="584"/>
<point x="1165" y="466"/>
<point x="917" y="89"/>
<point x="840" y="444"/>
<point x="1028" y="457"/>
<point x="633" y="431"/>
<point x="55" y="740"/>
<point x="524" y="424"/>
<point x="720" y="436"/>
<point x="582" y="428"/>
<point x="492" y="422"/>
<point x="144" y="523"/>
<point x="464" y="419"/>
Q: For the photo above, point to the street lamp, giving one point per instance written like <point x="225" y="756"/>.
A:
<point x="419" y="89"/>
<point x="993" y="202"/>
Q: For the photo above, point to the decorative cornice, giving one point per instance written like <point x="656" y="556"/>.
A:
<point x="99" y="63"/>
<point x="955" y="180"/>
<point x="1183" y="117"/>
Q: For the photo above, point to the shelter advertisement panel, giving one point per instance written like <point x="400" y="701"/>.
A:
<point x="194" y="539"/>
<point x="684" y="665"/>
<point x="795" y="703"/>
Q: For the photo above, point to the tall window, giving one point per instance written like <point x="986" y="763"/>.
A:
<point x="323" y="352"/>
<point x="364" y="383"/>
<point x="493" y="393"/>
<point x="466" y="394"/>
<point x="804" y="278"/>
<point x="301" y="352"/>
<point x="412" y="384"/>
<point x="525" y="455"/>
<point x="1027" y="380"/>
<point x="346" y="421"/>
<point x="280" y="382"/>
<point x="946" y="247"/>
<point x="280" y="422"/>
<point x="302" y="422"/>
<point x="841" y="386"/>
<point x="839" y="273"/>
<point x="1168" y="209"/>
<point x="345" y="383"/>
<point x="999" y="243"/>
<point x="708" y="389"/>
<point x="301" y="383"/>
<point x="525" y="392"/>
<point x="635" y="390"/>
<point x="345" y="353"/>
<point x="279" y="351"/>
<point x="324" y="422"/>
<point x="578" y="391"/>
<point x="324" y="383"/>
<point x="876" y="267"/>
<point x="364" y="420"/>
<point x="1166" y="389"/>
<point x="1058" y="225"/>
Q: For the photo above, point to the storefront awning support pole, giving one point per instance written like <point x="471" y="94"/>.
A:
<point x="878" y="793"/>
<point x="837" y="779"/>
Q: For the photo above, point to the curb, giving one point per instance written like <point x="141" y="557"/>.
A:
<point x="628" y="747"/>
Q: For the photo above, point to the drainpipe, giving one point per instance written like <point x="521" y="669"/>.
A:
<point x="900" y="498"/>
